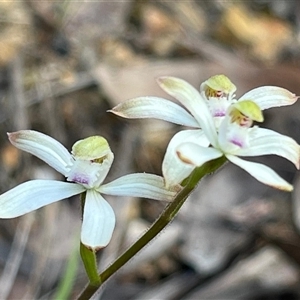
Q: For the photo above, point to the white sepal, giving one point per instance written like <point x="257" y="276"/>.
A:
<point x="265" y="141"/>
<point x="44" y="147"/>
<point x="270" y="96"/>
<point x="140" y="185"/>
<point x="262" y="173"/>
<point x="196" y="155"/>
<point x="34" y="194"/>
<point x="173" y="169"/>
<point x="193" y="101"/>
<point x="98" y="221"/>
<point x="157" y="108"/>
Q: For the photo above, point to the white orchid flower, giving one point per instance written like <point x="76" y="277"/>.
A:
<point x="85" y="171"/>
<point x="221" y="121"/>
<point x="174" y="171"/>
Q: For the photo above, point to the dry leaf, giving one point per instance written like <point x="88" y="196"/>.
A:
<point x="266" y="36"/>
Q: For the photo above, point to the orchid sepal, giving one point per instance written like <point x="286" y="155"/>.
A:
<point x="34" y="194"/>
<point x="140" y="185"/>
<point x="264" y="141"/>
<point x="98" y="221"/>
<point x="44" y="147"/>
<point x="270" y="96"/>
<point x="173" y="169"/>
<point x="193" y="101"/>
<point x="154" y="107"/>
<point x="262" y="173"/>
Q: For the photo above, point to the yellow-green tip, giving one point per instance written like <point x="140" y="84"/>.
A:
<point x="221" y="83"/>
<point x="250" y="109"/>
<point x="91" y="148"/>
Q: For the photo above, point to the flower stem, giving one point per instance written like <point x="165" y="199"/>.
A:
<point x="89" y="259"/>
<point x="164" y="219"/>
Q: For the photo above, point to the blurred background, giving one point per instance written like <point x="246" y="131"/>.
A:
<point x="63" y="64"/>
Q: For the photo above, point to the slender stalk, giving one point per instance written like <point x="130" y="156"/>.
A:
<point x="164" y="219"/>
<point x="89" y="259"/>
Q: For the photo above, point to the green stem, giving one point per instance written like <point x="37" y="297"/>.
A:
<point x="164" y="219"/>
<point x="89" y="259"/>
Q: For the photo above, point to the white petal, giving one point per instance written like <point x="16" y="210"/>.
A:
<point x="196" y="155"/>
<point x="265" y="141"/>
<point x="34" y="194"/>
<point x="193" y="101"/>
<point x="232" y="136"/>
<point x="270" y="96"/>
<point x="173" y="169"/>
<point x="98" y="221"/>
<point x="262" y="173"/>
<point x="44" y="147"/>
<point x="154" y="107"/>
<point x="89" y="174"/>
<point x="140" y="185"/>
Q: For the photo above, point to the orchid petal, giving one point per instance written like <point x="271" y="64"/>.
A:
<point x="154" y="107"/>
<point x="98" y="221"/>
<point x="140" y="185"/>
<point x="270" y="96"/>
<point x="232" y="137"/>
<point x="265" y="141"/>
<point x="89" y="174"/>
<point x="44" y="147"/>
<point x="262" y="173"/>
<point x="196" y="155"/>
<point x="34" y="194"/>
<point x="173" y="169"/>
<point x="193" y="101"/>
